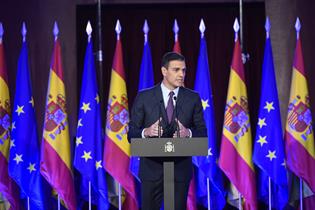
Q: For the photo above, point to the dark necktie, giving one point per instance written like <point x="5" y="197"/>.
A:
<point x="170" y="107"/>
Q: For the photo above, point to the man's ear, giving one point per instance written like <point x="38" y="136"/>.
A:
<point x="163" y="70"/>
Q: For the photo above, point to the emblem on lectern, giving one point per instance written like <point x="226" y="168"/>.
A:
<point x="169" y="147"/>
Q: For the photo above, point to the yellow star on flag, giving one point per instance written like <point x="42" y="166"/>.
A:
<point x="269" y="106"/>
<point x="97" y="98"/>
<point x="261" y="122"/>
<point x="19" y="110"/>
<point x="262" y="140"/>
<point x="31" y="167"/>
<point x="13" y="126"/>
<point x="31" y="101"/>
<point x="80" y="123"/>
<point x="18" y="158"/>
<point x="12" y="143"/>
<point x="86" y="107"/>
<point x="86" y="156"/>
<point x="78" y="141"/>
<point x="98" y="164"/>
<point x="204" y="104"/>
<point x="271" y="155"/>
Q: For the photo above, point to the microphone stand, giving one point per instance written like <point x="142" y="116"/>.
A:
<point x="176" y="118"/>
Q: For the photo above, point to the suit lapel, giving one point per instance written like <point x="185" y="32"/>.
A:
<point x="179" y="102"/>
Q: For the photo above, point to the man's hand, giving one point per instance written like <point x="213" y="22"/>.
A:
<point x="183" y="132"/>
<point x="153" y="130"/>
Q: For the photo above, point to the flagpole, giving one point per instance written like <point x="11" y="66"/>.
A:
<point x="239" y="201"/>
<point x="28" y="203"/>
<point x="90" y="205"/>
<point x="208" y="189"/>
<point x="119" y="196"/>
<point x="58" y="202"/>
<point x="301" y="194"/>
<point x="100" y="56"/>
<point x="269" y="186"/>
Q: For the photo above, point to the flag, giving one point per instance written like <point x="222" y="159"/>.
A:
<point x="145" y="81"/>
<point x="207" y="166"/>
<point x="55" y="148"/>
<point x="24" y="152"/>
<point x="299" y="137"/>
<point x="89" y="143"/>
<point x="117" y="147"/>
<point x="269" y="153"/>
<point x="176" y="47"/>
<point x="236" y="144"/>
<point x="7" y="186"/>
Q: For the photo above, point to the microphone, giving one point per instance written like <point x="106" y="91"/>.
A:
<point x="160" y="114"/>
<point x="176" y="117"/>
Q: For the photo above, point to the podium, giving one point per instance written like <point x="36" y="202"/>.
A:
<point x="169" y="147"/>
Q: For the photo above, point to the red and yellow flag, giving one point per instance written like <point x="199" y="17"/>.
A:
<point x="55" y="148"/>
<point x="7" y="186"/>
<point x="117" y="147"/>
<point x="236" y="146"/>
<point x="299" y="136"/>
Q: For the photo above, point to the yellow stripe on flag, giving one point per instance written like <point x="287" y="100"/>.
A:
<point x="57" y="135"/>
<point x="237" y="96"/>
<point x="5" y="114"/>
<point x="117" y="129"/>
<point x="299" y="103"/>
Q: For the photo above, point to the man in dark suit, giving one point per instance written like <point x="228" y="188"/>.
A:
<point x="166" y="110"/>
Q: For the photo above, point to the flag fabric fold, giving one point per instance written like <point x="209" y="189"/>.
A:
<point x="269" y="153"/>
<point x="207" y="166"/>
<point x="89" y="142"/>
<point x="299" y="136"/>
<point x="146" y="80"/>
<point x="56" y="161"/>
<point x="24" y="163"/>
<point x="117" y="148"/>
<point x="236" y="144"/>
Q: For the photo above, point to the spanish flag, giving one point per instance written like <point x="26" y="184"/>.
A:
<point x="236" y="146"/>
<point x="7" y="186"/>
<point x="55" y="148"/>
<point x="299" y="136"/>
<point x="117" y="147"/>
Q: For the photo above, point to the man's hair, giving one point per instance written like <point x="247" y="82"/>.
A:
<point x="171" y="56"/>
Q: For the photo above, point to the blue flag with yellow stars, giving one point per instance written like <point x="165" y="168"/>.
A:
<point x="89" y="142"/>
<point x="207" y="166"/>
<point x="24" y="149"/>
<point x="269" y="153"/>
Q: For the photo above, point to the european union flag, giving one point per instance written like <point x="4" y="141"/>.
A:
<point x="145" y="81"/>
<point x="269" y="153"/>
<point x="24" y="149"/>
<point x="208" y="167"/>
<point x="89" y="142"/>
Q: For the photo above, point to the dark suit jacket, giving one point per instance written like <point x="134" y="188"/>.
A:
<point x="147" y="108"/>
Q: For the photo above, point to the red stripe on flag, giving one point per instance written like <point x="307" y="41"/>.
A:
<point x="56" y="62"/>
<point x="118" y="65"/>
<point x="7" y="186"/>
<point x="58" y="175"/>
<point x="239" y="173"/>
<point x="298" y="62"/>
<point x="237" y="64"/>
<point x="116" y="162"/>
<point x="300" y="161"/>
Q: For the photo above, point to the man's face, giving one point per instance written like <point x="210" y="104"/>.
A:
<point x="174" y="75"/>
